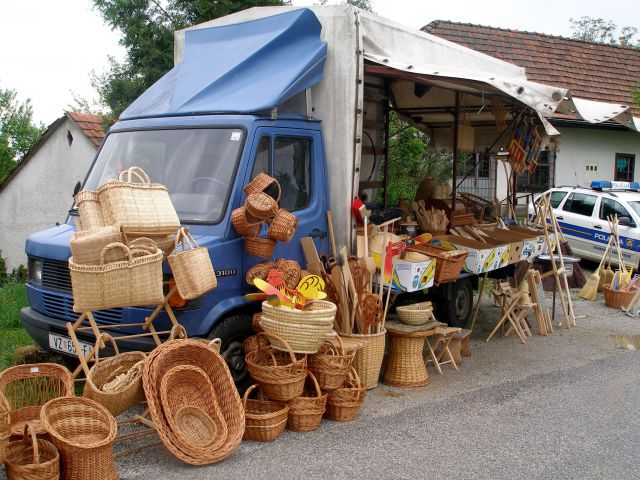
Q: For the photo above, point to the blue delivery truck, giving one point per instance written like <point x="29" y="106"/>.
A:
<point x="302" y="94"/>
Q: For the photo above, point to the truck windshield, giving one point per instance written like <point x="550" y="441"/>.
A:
<point x="196" y="165"/>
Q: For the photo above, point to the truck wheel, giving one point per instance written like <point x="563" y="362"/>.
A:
<point x="456" y="309"/>
<point x="234" y="330"/>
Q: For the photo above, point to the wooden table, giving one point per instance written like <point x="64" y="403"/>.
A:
<point x="405" y="364"/>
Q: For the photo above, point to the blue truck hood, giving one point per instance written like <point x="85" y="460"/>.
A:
<point x="249" y="67"/>
<point x="53" y="243"/>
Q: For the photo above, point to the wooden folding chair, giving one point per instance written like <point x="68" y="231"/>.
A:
<point x="513" y="311"/>
<point x="439" y="341"/>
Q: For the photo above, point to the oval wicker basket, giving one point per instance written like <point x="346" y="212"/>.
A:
<point x="344" y="403"/>
<point x="331" y="365"/>
<point x="259" y="247"/>
<point x="83" y="431"/>
<point x="301" y="338"/>
<point x="264" y="183"/>
<point x="260" y="205"/>
<point x="318" y="313"/>
<point x="281" y="375"/>
<point x="306" y="411"/>
<point x="290" y="272"/>
<point x="415" y="314"/>
<point x="265" y="420"/>
<point x="123" y="368"/>
<point x="191" y="409"/>
<point x="28" y="387"/>
<point x="31" y="458"/>
<point x="617" y="298"/>
<point x="259" y="270"/>
<point x="179" y="352"/>
<point x="283" y="226"/>
<point x="245" y="225"/>
<point x="5" y="425"/>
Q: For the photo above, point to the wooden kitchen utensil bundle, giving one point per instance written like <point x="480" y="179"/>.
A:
<point x="433" y="220"/>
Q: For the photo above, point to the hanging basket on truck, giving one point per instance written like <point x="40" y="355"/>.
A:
<point x="191" y="267"/>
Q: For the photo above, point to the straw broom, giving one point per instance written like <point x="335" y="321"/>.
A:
<point x="590" y="289"/>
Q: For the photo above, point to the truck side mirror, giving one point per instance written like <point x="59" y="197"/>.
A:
<point x="625" y="222"/>
<point x="77" y="188"/>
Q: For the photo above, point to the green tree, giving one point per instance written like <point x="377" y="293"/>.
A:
<point x="598" y="30"/>
<point x="18" y="132"/>
<point x="147" y="28"/>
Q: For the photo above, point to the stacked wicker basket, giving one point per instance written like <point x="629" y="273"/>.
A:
<point x="260" y="207"/>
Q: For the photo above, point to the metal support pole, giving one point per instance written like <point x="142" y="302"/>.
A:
<point x="386" y="154"/>
<point x="456" y="114"/>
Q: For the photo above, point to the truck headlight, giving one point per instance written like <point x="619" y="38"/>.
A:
<point x="35" y="271"/>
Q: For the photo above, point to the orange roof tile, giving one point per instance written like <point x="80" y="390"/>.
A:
<point x="91" y="126"/>
<point x="594" y="71"/>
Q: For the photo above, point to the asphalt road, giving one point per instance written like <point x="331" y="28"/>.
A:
<point x="565" y="406"/>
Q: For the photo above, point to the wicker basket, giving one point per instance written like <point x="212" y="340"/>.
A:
<point x="368" y="360"/>
<point x="259" y="247"/>
<point x="344" y="403"/>
<point x="448" y="267"/>
<point x="5" y="425"/>
<point x="415" y="314"/>
<point x="255" y="322"/>
<point x="290" y="272"/>
<point x="301" y="338"/>
<point x="283" y="226"/>
<point x="86" y="245"/>
<point x="135" y="281"/>
<point x="28" y="387"/>
<point x="331" y="365"/>
<point x="319" y="313"/>
<point x="31" y="458"/>
<point x="265" y="420"/>
<point x="138" y="208"/>
<point x="83" y="431"/>
<point x="191" y="409"/>
<point x="245" y="225"/>
<point x="259" y="270"/>
<point x="175" y="353"/>
<point x="263" y="182"/>
<point x="115" y="382"/>
<point x="164" y="242"/>
<point x="306" y="411"/>
<point x="191" y="267"/>
<point x="280" y="374"/>
<point x="261" y="206"/>
<point x="90" y="210"/>
<point x="617" y="298"/>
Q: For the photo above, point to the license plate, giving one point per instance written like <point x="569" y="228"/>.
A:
<point x="63" y="344"/>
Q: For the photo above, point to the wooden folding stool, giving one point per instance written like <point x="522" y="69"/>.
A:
<point x="442" y="337"/>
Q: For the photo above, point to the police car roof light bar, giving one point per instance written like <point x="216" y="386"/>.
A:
<point x="607" y="185"/>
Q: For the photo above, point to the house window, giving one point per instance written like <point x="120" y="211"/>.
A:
<point x="625" y="164"/>
<point x="540" y="180"/>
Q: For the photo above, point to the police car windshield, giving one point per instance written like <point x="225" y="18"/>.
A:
<point x="635" y="206"/>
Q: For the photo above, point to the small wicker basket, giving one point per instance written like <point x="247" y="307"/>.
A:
<point x="264" y="183"/>
<point x="259" y="247"/>
<point x="31" y="458"/>
<point x="344" y="403"/>
<point x="283" y="226"/>
<point x="259" y="270"/>
<point x="265" y="420"/>
<point x="245" y="225"/>
<point x="448" y="265"/>
<point x="90" y="210"/>
<point x="617" y="298"/>
<point x="306" y="411"/>
<point x="5" y="425"/>
<point x="86" y="245"/>
<point x="330" y="365"/>
<point x="260" y="205"/>
<point x="191" y="267"/>
<point x="415" y="314"/>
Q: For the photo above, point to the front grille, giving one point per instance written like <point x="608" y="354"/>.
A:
<point x="55" y="274"/>
<point x="60" y="306"/>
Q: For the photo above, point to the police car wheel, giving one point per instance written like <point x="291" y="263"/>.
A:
<point x="456" y="311"/>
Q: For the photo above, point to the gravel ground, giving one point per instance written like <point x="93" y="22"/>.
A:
<point x="563" y="406"/>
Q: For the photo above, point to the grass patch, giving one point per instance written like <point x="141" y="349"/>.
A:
<point x="13" y="297"/>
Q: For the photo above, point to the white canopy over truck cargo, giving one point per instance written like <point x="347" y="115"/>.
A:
<point x="362" y="45"/>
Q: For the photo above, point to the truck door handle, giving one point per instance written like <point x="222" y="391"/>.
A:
<point x="315" y="233"/>
<point x="598" y="227"/>
<point x="559" y="218"/>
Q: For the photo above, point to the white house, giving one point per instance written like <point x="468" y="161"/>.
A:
<point x="583" y="152"/>
<point x="38" y="193"/>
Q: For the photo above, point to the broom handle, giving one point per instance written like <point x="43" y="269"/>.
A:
<point x="604" y="255"/>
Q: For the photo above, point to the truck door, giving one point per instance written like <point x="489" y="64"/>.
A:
<point x="629" y="238"/>
<point x="295" y="158"/>
<point x="576" y="218"/>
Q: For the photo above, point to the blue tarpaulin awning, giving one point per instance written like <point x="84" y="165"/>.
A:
<point x="247" y="67"/>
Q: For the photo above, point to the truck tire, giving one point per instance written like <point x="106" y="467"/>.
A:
<point x="455" y="308"/>
<point x="233" y="331"/>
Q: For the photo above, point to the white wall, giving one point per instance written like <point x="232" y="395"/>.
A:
<point x="41" y="193"/>
<point x="580" y="147"/>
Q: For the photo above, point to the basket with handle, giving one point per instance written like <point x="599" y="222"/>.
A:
<point x="28" y="387"/>
<point x="83" y="431"/>
<point x="259" y="270"/>
<point x="261" y="205"/>
<point x="191" y="267"/>
<point x="86" y="245"/>
<point x="265" y="420"/>
<point x="245" y="225"/>
<point x="134" y="281"/>
<point x="90" y="210"/>
<point x="344" y="403"/>
<point x="283" y="226"/>
<point x="281" y="374"/>
<point x="415" y="314"/>
<point x="5" y="425"/>
<point x="331" y="365"/>
<point x="368" y="360"/>
<point x="183" y="352"/>
<point x="264" y="183"/>
<point x="191" y="410"/>
<point x="259" y="247"/>
<point x="138" y="207"/>
<point x="30" y="458"/>
<point x="448" y="263"/>
<point x="617" y="298"/>
<point x="305" y="411"/>
<point x="115" y="382"/>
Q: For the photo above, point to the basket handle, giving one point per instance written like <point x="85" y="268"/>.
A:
<point x="178" y="331"/>
<point x="136" y="172"/>
<point x="246" y="395"/>
<point x="143" y="242"/>
<point x="315" y="382"/>
<point x="356" y="377"/>
<point x="216" y="344"/>
<point x="268" y="335"/>
<point x="183" y="237"/>
<point x="30" y="431"/>
<point x="101" y="343"/>
<point x="110" y="246"/>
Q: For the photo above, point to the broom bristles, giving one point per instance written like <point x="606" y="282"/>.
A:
<point x="590" y="289"/>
